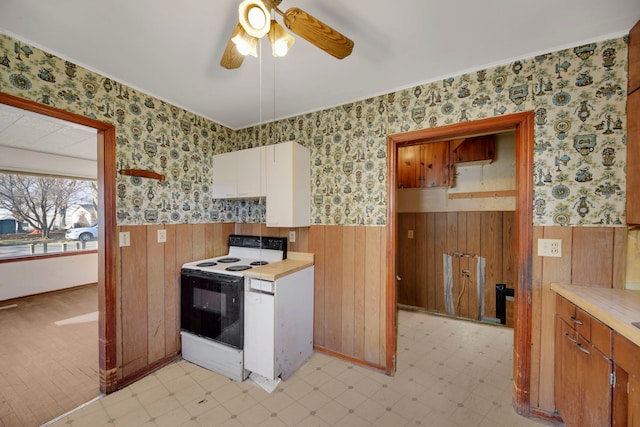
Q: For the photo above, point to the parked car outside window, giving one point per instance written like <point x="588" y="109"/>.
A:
<point x="82" y="233"/>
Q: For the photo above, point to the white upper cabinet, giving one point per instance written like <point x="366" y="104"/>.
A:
<point x="288" y="185"/>
<point x="239" y="174"/>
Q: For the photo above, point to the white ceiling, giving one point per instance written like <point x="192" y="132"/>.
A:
<point x="25" y="130"/>
<point x="171" y="49"/>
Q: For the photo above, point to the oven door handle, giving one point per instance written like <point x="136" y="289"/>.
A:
<point x="261" y="292"/>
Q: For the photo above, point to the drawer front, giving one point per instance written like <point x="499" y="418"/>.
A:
<point x="582" y="323"/>
<point x="566" y="310"/>
<point x="601" y="337"/>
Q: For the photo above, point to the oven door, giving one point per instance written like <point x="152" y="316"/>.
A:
<point x="211" y="305"/>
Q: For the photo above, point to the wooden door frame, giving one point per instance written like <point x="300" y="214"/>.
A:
<point x="106" y="165"/>
<point x="523" y="124"/>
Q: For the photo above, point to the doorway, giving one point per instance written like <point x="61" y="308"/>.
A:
<point x="522" y="124"/>
<point x="106" y="231"/>
<point x="455" y="237"/>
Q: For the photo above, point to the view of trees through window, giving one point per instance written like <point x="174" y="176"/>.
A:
<point x="44" y="214"/>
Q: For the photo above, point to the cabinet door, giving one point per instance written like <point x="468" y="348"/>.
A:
<point x="567" y="385"/>
<point x="634" y="58"/>
<point x="633" y="419"/>
<point x="288" y="185"/>
<point x="633" y="158"/>
<point x="594" y="372"/>
<point x="626" y="356"/>
<point x="479" y="149"/>
<point x="434" y="159"/>
<point x="251" y="175"/>
<point x="409" y="166"/>
<point x="223" y="171"/>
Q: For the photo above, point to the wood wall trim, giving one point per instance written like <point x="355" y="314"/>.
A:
<point x="392" y="249"/>
<point x="482" y="194"/>
<point x="524" y="243"/>
<point x="523" y="125"/>
<point x="47" y="110"/>
<point x="350" y="359"/>
<point x="106" y="164"/>
<point x="459" y="130"/>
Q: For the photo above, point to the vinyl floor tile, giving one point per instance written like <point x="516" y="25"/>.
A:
<point x="450" y="373"/>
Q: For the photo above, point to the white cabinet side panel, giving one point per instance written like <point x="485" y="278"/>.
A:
<point x="294" y="317"/>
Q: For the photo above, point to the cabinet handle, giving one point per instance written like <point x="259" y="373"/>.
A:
<point x="576" y="321"/>
<point x="566" y="334"/>
<point x="584" y="350"/>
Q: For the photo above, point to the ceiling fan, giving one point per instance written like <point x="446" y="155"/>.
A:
<point x="254" y="21"/>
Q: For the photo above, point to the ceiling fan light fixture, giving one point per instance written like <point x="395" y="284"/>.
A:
<point x="254" y="16"/>
<point x="245" y="44"/>
<point x="281" y="41"/>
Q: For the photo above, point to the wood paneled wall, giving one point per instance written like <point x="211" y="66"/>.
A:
<point x="349" y="288"/>
<point x="420" y="258"/>
<point x="591" y="256"/>
<point x="350" y="296"/>
<point x="149" y="285"/>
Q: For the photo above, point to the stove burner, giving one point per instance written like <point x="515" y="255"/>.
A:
<point x="228" y="260"/>
<point x="259" y="263"/>
<point x="206" y="264"/>
<point x="237" y="268"/>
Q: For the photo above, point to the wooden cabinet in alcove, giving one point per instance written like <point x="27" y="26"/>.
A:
<point x="424" y="165"/>
<point x="431" y="164"/>
<point x="478" y="150"/>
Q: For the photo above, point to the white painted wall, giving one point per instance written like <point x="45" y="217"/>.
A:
<point x="495" y="176"/>
<point x="25" y="161"/>
<point x="38" y="275"/>
<point x="633" y="260"/>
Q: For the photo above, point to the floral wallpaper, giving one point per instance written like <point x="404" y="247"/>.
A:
<point x="578" y="96"/>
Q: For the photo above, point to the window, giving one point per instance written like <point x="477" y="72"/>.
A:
<point x="43" y="215"/>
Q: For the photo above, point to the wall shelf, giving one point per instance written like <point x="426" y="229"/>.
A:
<point x="142" y="173"/>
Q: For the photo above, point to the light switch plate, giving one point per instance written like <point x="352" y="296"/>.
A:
<point x="292" y="237"/>
<point x="162" y="235"/>
<point x="550" y="247"/>
<point x="410" y="234"/>
<point x="125" y="238"/>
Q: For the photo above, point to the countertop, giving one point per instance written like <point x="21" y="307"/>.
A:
<point x="616" y="308"/>
<point x="295" y="261"/>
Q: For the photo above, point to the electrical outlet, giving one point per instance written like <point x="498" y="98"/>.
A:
<point x="550" y="247"/>
<point x="125" y="238"/>
<point x="410" y="234"/>
<point x="162" y="235"/>
<point x="292" y="237"/>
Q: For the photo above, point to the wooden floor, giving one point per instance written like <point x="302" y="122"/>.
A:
<point x="47" y="368"/>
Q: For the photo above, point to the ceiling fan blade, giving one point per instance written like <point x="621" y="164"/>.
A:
<point x="317" y="33"/>
<point x="231" y="58"/>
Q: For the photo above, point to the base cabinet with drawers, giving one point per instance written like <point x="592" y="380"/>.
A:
<point x="597" y="371"/>
<point x="583" y="367"/>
